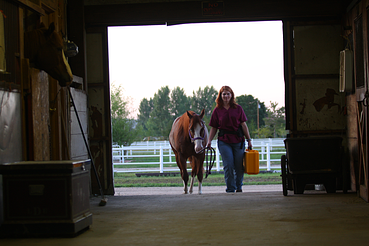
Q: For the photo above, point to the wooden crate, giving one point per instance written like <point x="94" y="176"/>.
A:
<point x="45" y="198"/>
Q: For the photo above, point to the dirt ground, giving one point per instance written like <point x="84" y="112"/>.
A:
<point x="139" y="191"/>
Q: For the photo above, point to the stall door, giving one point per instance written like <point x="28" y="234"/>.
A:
<point x="314" y="104"/>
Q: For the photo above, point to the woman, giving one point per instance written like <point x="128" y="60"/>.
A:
<point x="230" y="119"/>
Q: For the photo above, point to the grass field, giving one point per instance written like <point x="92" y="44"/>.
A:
<point x="175" y="180"/>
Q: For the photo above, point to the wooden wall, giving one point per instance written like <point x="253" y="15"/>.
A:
<point x="46" y="127"/>
<point x="356" y="26"/>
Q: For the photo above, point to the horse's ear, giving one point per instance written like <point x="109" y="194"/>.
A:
<point x="202" y="113"/>
<point x="189" y="115"/>
<point x="50" y="30"/>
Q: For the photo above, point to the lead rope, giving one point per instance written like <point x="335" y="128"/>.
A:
<point x="212" y="160"/>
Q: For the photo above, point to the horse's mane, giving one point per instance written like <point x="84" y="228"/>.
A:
<point x="33" y="41"/>
<point x="183" y="123"/>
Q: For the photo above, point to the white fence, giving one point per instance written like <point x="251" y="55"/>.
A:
<point x="157" y="156"/>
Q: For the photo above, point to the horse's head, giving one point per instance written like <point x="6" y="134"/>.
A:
<point x="44" y="48"/>
<point x="197" y="131"/>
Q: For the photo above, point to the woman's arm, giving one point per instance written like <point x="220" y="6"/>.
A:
<point x="212" y="133"/>
<point x="245" y="130"/>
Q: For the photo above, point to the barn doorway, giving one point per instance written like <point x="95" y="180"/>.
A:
<point x="247" y="56"/>
<point x="196" y="55"/>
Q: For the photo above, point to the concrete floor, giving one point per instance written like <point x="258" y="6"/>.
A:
<point x="217" y="218"/>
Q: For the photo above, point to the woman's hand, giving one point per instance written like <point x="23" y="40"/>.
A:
<point x="249" y="144"/>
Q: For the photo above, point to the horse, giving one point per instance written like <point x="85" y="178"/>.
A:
<point x="188" y="139"/>
<point x="44" y="49"/>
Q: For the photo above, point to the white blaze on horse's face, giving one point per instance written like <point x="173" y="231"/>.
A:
<point x="198" y="135"/>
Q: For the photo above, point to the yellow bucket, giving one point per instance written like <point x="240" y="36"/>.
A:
<point x="251" y="161"/>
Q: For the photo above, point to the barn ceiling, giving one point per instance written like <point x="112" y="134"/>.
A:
<point x="129" y="12"/>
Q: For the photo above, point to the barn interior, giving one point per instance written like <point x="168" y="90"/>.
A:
<point x="326" y="95"/>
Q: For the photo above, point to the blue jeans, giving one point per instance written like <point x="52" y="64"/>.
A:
<point x="232" y="156"/>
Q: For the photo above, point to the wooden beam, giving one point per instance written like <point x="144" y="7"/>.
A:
<point x="191" y="11"/>
<point x="31" y="5"/>
<point x="77" y="34"/>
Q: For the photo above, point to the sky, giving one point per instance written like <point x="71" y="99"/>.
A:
<point x="247" y="56"/>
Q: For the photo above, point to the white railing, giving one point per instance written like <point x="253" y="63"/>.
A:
<point x="134" y="158"/>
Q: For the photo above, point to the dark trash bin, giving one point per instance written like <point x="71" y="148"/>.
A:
<point x="311" y="160"/>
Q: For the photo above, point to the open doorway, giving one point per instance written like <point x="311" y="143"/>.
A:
<point x="247" y="56"/>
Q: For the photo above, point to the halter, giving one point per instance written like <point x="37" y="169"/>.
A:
<point x="193" y="139"/>
<point x="198" y="138"/>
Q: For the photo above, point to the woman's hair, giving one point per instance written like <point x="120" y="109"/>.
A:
<point x="219" y="100"/>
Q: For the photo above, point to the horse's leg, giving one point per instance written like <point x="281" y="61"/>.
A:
<point x="193" y="172"/>
<point x="199" y="178"/>
<point x="183" y="167"/>
<point x="184" y="176"/>
<point x="200" y="172"/>
<point x="191" y="184"/>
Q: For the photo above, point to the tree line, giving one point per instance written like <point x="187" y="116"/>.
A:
<point x="156" y="115"/>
